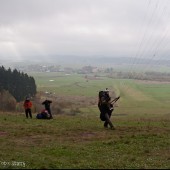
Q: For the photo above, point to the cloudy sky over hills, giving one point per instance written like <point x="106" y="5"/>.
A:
<point x="41" y="28"/>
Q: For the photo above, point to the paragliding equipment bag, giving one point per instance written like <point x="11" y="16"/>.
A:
<point x="43" y="115"/>
<point x="103" y="105"/>
<point x="102" y="117"/>
<point x="103" y="96"/>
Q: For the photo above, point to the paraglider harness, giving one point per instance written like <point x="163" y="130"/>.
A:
<point x="43" y="115"/>
<point x="105" y="105"/>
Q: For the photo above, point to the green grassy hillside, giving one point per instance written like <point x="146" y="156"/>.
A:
<point x="79" y="140"/>
<point x="139" y="141"/>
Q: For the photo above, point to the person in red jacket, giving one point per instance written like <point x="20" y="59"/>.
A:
<point x="27" y="107"/>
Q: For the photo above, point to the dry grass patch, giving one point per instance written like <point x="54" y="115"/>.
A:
<point x="135" y="94"/>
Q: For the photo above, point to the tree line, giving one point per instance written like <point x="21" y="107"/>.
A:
<point x="17" y="83"/>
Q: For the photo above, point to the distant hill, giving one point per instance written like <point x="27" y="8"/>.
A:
<point x="93" y="61"/>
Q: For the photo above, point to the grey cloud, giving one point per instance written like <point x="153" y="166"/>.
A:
<point x="83" y="27"/>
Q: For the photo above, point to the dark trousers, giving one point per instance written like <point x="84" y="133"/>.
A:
<point x="107" y="121"/>
<point x="28" y="111"/>
<point x="107" y="114"/>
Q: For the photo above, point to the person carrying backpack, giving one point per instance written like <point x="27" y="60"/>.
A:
<point x="106" y="108"/>
<point x="47" y="103"/>
<point x="27" y="106"/>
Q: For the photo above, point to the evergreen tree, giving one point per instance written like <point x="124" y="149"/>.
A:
<point x="18" y="84"/>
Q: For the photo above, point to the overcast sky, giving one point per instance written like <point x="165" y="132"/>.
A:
<point x="42" y="28"/>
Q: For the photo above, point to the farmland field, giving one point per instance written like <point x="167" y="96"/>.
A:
<point x="142" y="120"/>
<point x="140" y="94"/>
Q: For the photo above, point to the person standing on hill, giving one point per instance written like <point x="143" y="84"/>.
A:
<point x="27" y="106"/>
<point x="106" y="108"/>
<point x="47" y="103"/>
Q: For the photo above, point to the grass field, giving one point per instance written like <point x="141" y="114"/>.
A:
<point x="141" y="139"/>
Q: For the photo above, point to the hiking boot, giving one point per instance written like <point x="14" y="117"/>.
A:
<point x="105" y="126"/>
<point x="112" y="128"/>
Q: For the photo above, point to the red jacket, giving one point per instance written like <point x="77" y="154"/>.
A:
<point x="27" y="104"/>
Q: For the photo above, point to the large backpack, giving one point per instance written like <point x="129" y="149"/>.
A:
<point x="102" y="96"/>
<point x="43" y="115"/>
<point x="103" y="105"/>
<point x="102" y="116"/>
